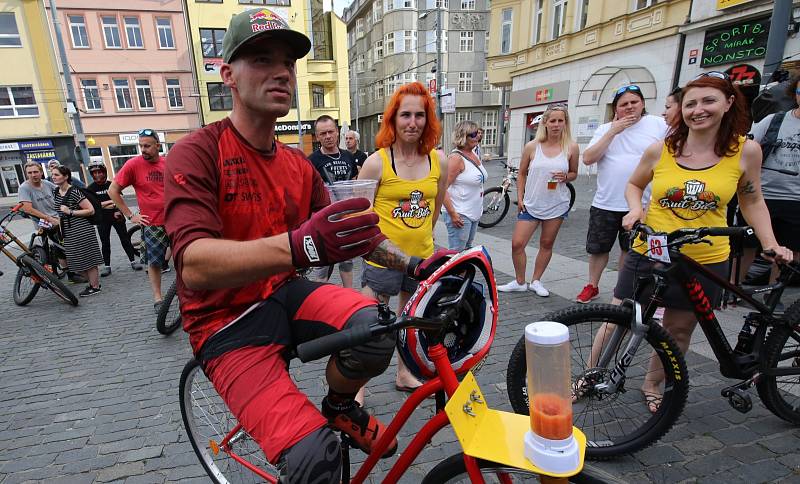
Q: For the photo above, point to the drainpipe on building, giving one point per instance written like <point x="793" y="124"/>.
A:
<point x="80" y="138"/>
<point x="776" y="41"/>
<point x="299" y="118"/>
<point x="187" y="24"/>
<point x="676" y="72"/>
<point x="501" y="124"/>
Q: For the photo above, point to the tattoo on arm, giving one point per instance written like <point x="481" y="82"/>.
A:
<point x="389" y="255"/>
<point x="747" y="188"/>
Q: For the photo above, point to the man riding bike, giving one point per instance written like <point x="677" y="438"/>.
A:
<point x="243" y="213"/>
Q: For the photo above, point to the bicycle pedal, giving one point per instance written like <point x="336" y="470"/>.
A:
<point x="738" y="398"/>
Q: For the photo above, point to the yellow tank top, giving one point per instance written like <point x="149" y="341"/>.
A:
<point x="406" y="207"/>
<point x="689" y="198"/>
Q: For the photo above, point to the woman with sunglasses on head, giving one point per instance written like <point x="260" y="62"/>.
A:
<point x="548" y="162"/>
<point x="704" y="160"/>
<point x="463" y="200"/>
<point x="616" y="148"/>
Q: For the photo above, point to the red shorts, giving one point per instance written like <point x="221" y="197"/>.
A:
<point x="254" y="381"/>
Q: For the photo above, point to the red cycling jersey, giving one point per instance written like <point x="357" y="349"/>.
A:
<point x="218" y="186"/>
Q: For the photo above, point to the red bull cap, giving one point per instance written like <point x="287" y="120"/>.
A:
<point x="258" y="22"/>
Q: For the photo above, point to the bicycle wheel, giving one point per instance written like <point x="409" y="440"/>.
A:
<point x="208" y="421"/>
<point x="135" y="234"/>
<point x="571" y="189"/>
<point x="169" y="315"/>
<point x="495" y="207"/>
<point x="26" y="283"/>
<point x="453" y="470"/>
<point x="781" y="393"/>
<point x="621" y="422"/>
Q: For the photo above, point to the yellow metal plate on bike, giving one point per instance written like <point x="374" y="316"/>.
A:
<point x="494" y="435"/>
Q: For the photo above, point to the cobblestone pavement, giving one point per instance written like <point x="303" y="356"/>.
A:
<point x="89" y="394"/>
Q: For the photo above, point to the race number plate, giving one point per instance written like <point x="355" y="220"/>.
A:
<point x="657" y="248"/>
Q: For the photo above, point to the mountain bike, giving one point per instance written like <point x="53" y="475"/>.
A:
<point x="609" y="405"/>
<point x="229" y="454"/>
<point x="496" y="200"/>
<point x="31" y="274"/>
<point x="135" y="235"/>
<point x="169" y="314"/>
<point x="47" y="250"/>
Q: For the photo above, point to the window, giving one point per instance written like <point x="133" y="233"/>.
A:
<point x="122" y="93"/>
<point x="144" y="94"/>
<point x="359" y="27"/>
<point x="321" y="33"/>
<point x="379" y="90"/>
<point x="360" y="61"/>
<point x="409" y="40"/>
<point x="489" y="128"/>
<point x="317" y="96"/>
<point x="389" y="5"/>
<point x="389" y="43"/>
<point x="77" y="30"/>
<point x="464" y="82"/>
<point x="443" y="4"/>
<point x="505" y="31"/>
<point x="462" y="116"/>
<point x="376" y="12"/>
<point x="279" y="3"/>
<point x="431" y="41"/>
<point x="111" y="33"/>
<point x="174" y="97"/>
<point x="640" y="4"/>
<point x="351" y="38"/>
<point x="486" y="42"/>
<point x="9" y="34"/>
<point x="409" y="3"/>
<point x="119" y="154"/>
<point x="219" y="96"/>
<point x="91" y="95"/>
<point x="378" y="50"/>
<point x="583" y="15"/>
<point x="559" y="15"/>
<point x="165" y="39"/>
<point x="467" y="41"/>
<point x="133" y="32"/>
<point x="487" y="86"/>
<point x="17" y="102"/>
<point x="211" y="42"/>
<point x="467" y="4"/>
<point x="538" y="20"/>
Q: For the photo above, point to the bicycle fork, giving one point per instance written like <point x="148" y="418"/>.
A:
<point x="639" y="330"/>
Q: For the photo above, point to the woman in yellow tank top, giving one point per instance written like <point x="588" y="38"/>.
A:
<point x="409" y="194"/>
<point x="703" y="162"/>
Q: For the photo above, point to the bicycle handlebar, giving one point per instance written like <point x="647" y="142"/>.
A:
<point x="690" y="235"/>
<point x="332" y="343"/>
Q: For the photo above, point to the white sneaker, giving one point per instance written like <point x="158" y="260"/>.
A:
<point x="539" y="289"/>
<point x="513" y="286"/>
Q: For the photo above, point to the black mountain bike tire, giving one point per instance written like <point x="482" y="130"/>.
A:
<point x="49" y="280"/>
<point x="168" y="321"/>
<point x="652" y="427"/>
<point x="775" y="352"/>
<point x="491" y="221"/>
<point x="572" y="195"/>
<point x="24" y="295"/>
<point x="453" y="470"/>
<point x="135" y="236"/>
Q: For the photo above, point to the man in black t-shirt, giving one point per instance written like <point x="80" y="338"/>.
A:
<point x="333" y="165"/>
<point x="112" y="217"/>
<point x="351" y="141"/>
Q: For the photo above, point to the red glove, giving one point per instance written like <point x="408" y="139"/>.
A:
<point x="327" y="237"/>
<point x="421" y="269"/>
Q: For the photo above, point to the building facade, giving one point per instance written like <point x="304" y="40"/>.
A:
<point x="581" y="52"/>
<point x="322" y="76"/>
<point x="392" y="42"/>
<point x="131" y="68"/>
<point x="33" y="122"/>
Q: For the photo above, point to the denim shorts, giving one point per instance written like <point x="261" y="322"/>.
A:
<point x="460" y="238"/>
<point x="525" y="216"/>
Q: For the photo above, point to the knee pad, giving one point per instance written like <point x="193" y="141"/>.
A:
<point x="371" y="358"/>
<point x="317" y="458"/>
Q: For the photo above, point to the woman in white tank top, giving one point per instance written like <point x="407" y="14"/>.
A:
<point x="548" y="162"/>
<point x="463" y="203"/>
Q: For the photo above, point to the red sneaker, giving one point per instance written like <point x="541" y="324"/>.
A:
<point x="363" y="428"/>
<point x="588" y="293"/>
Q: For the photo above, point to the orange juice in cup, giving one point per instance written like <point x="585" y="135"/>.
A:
<point x="345" y="190"/>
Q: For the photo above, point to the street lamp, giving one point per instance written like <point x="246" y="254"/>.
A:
<point x="439" y="46"/>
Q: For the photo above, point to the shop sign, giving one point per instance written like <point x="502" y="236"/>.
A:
<point x="744" y="75"/>
<point x="723" y="4"/>
<point x="45" y="155"/>
<point x="9" y="146"/>
<point x="291" y="127"/>
<point x="733" y="43"/>
<point x="448" y="100"/>
<point x="133" y="138"/>
<point x="39" y="144"/>
<point x="543" y="95"/>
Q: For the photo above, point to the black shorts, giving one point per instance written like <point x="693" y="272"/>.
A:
<point x="604" y="227"/>
<point x="785" y="218"/>
<point x="637" y="265"/>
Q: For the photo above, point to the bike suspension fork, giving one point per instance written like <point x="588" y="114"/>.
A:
<point x="639" y="331"/>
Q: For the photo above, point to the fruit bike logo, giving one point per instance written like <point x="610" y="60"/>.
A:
<point x="691" y="201"/>
<point x="414" y="211"/>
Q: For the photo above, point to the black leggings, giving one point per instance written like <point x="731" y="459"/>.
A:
<point x="316" y="458"/>
<point x="104" y="229"/>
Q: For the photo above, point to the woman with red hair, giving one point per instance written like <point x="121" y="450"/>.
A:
<point x="695" y="171"/>
<point x="412" y="180"/>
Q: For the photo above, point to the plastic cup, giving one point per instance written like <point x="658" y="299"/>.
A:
<point x="552" y="184"/>
<point x="345" y="190"/>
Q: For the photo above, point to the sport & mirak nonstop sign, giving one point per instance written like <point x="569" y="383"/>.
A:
<point x="736" y="42"/>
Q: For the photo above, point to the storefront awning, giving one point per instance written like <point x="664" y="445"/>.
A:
<point x="601" y="86"/>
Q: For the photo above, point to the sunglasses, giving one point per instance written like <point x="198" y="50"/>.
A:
<point x="557" y="106"/>
<point x="624" y="89"/>
<point x="147" y="132"/>
<point x="473" y="135"/>
<point x="715" y="74"/>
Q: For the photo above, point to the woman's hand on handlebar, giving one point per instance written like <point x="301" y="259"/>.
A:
<point x="630" y="218"/>
<point x="778" y="253"/>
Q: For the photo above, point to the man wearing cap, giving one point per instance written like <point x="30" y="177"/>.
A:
<point x="616" y="148"/>
<point x="244" y="212"/>
<point x="145" y="173"/>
